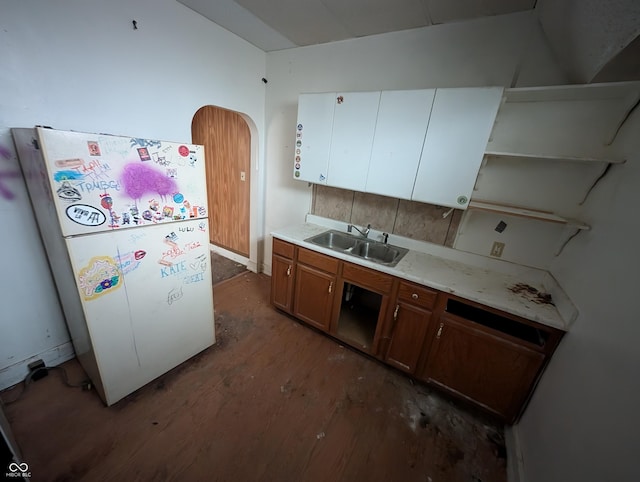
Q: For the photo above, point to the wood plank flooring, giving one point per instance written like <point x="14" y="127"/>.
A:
<point x="273" y="400"/>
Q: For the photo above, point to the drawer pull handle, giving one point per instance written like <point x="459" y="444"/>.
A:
<point x="395" y="312"/>
<point x="440" y="330"/>
<point x="414" y="296"/>
<point x="289" y="270"/>
<point x="330" y="287"/>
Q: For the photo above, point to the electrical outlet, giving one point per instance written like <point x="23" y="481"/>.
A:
<point x="496" y="249"/>
<point x="243" y="176"/>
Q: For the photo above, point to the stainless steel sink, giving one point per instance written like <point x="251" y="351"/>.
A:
<point x="368" y="249"/>
<point x="334" y="240"/>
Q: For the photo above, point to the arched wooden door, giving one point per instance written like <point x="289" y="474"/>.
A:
<point x="227" y="142"/>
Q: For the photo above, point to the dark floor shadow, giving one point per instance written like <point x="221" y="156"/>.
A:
<point x="223" y="268"/>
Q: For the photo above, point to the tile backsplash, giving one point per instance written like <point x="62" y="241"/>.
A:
<point x="420" y="221"/>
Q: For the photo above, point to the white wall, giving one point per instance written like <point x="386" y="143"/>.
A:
<point x="475" y="53"/>
<point x="582" y="422"/>
<point x="79" y="64"/>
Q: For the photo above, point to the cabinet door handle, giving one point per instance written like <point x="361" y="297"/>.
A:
<point x="414" y="296"/>
<point x="289" y="270"/>
<point x="395" y="313"/>
<point x="440" y="330"/>
<point x="330" y="287"/>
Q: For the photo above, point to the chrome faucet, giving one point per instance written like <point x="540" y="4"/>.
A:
<point x="364" y="232"/>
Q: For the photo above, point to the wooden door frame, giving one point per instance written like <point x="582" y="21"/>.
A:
<point x="255" y="261"/>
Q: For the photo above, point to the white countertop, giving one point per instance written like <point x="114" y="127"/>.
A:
<point x="476" y="278"/>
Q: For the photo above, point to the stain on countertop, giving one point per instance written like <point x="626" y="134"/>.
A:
<point x="531" y="293"/>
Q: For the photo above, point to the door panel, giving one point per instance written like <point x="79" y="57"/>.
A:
<point x="313" y="298"/>
<point x="227" y="140"/>
<point x="282" y="283"/>
<point x="408" y="335"/>
<point x="354" y="122"/>
<point x="489" y="370"/>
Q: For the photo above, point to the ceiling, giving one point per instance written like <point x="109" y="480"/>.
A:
<point x="281" y="24"/>
<point x="594" y="41"/>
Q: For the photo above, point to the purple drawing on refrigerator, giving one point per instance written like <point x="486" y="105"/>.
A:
<point x="139" y="179"/>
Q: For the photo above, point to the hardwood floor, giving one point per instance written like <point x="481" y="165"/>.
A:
<point x="273" y="400"/>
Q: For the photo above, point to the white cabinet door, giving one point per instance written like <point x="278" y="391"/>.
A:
<point x="313" y="137"/>
<point x="403" y="117"/>
<point x="459" y="128"/>
<point x="354" y="122"/>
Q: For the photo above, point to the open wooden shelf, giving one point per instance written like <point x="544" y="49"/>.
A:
<point x="563" y="93"/>
<point x="526" y="213"/>
<point x="549" y="157"/>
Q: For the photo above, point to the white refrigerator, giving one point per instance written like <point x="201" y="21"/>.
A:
<point x="124" y="224"/>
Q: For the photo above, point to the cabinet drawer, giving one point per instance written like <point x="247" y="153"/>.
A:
<point x="417" y="295"/>
<point x="283" y="248"/>
<point x="367" y="278"/>
<point x="317" y="260"/>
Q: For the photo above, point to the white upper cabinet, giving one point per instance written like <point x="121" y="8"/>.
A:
<point x="313" y="137"/>
<point x="426" y="145"/>
<point x="459" y="128"/>
<point x="354" y="123"/>
<point x="402" y="122"/>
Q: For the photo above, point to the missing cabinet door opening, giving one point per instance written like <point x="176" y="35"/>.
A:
<point x="497" y="322"/>
<point x="359" y="312"/>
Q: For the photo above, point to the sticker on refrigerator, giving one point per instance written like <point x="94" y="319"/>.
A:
<point x="143" y="153"/>
<point x="99" y="277"/>
<point x="136" y="141"/>
<point x="85" y="215"/>
<point x="167" y="211"/>
<point x="94" y="148"/>
<point x="67" y="192"/>
<point x="183" y="151"/>
<point x="69" y="163"/>
<point x="67" y="175"/>
<point x="106" y="201"/>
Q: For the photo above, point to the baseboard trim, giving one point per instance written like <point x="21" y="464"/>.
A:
<point x="515" y="461"/>
<point x="238" y="258"/>
<point x="52" y="357"/>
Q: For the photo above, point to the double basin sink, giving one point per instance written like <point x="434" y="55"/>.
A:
<point x="360" y="247"/>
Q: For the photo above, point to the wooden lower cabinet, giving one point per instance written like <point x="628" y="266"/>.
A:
<point x="480" y="354"/>
<point x="315" y="288"/>
<point x="496" y="373"/>
<point x="410" y="324"/>
<point x="282" y="276"/>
